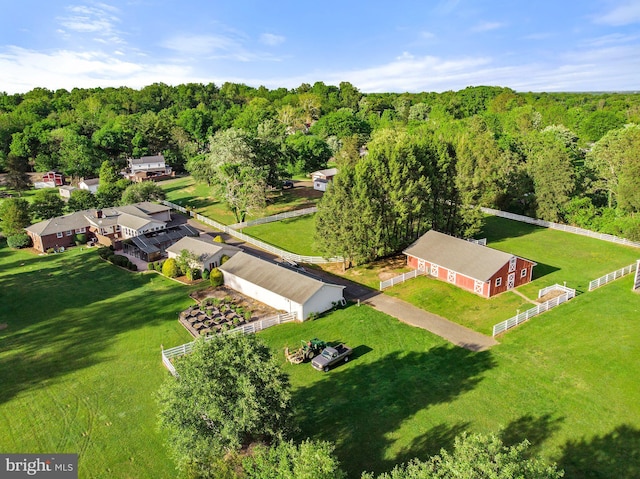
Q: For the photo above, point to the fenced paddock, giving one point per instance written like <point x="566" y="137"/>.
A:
<point x="561" y="227"/>
<point x="607" y="278"/>
<point x="567" y="294"/>
<point x="278" y="217"/>
<point x="297" y="258"/>
<point x="398" y="279"/>
<point x="250" y="328"/>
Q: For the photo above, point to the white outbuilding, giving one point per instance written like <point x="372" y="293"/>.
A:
<point x="208" y="253"/>
<point x="280" y="287"/>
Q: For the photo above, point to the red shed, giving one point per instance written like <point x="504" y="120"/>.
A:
<point x="53" y="177"/>
<point x="478" y="269"/>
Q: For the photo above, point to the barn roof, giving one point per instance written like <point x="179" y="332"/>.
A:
<point x="470" y="259"/>
<point x="293" y="285"/>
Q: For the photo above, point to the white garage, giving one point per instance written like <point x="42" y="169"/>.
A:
<point x="280" y="287"/>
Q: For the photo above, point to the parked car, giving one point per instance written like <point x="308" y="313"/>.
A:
<point x="330" y="356"/>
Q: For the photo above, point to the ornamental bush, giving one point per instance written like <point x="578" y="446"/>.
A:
<point x="224" y="259"/>
<point x="170" y="268"/>
<point x="20" y="240"/>
<point x="216" y="277"/>
<point x="80" y="238"/>
<point x="205" y="274"/>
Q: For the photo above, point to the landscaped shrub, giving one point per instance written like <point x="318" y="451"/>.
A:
<point x="20" y="240"/>
<point x="224" y="259"/>
<point x="151" y="266"/>
<point x="218" y="239"/>
<point x="170" y="268"/>
<point x="80" y="238"/>
<point x="216" y="277"/>
<point x="158" y="266"/>
<point x="133" y="266"/>
<point x="104" y="252"/>
<point x="247" y="315"/>
<point x="196" y="274"/>
<point x="190" y="274"/>
<point x="50" y="251"/>
<point x="205" y="274"/>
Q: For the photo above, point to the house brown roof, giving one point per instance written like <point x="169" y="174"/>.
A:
<point x="282" y="281"/>
<point x="470" y="259"/>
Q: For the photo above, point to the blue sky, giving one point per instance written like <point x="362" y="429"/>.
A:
<point x="393" y="46"/>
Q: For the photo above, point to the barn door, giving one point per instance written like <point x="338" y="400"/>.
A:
<point x="421" y="265"/>
<point x="511" y="280"/>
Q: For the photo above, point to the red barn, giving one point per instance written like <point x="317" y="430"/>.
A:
<point x="53" y="177"/>
<point x="478" y="269"/>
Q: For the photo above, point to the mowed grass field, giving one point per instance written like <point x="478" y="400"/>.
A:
<point x="199" y="197"/>
<point x="293" y="234"/>
<point x="566" y="381"/>
<point x="80" y="360"/>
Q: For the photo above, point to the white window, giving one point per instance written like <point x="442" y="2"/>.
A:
<point x="69" y="233"/>
<point x="81" y="230"/>
<point x="498" y="282"/>
<point x="523" y="272"/>
<point x="117" y="227"/>
<point x="59" y="234"/>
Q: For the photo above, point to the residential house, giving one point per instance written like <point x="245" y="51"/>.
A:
<point x="90" y="185"/>
<point x="108" y="226"/>
<point x="65" y="191"/>
<point x="321" y="178"/>
<point x="475" y="268"/>
<point x="280" y="287"/>
<point x="208" y="252"/>
<point x="147" y="168"/>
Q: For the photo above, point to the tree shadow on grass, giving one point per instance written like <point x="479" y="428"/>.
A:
<point x="65" y="315"/>
<point x="496" y="229"/>
<point x="616" y="454"/>
<point x="534" y="429"/>
<point x="360" y="405"/>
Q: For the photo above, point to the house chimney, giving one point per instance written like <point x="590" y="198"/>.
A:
<point x="98" y="213"/>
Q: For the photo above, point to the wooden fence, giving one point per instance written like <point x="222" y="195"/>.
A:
<point x="278" y="217"/>
<point x="561" y="227"/>
<point x="296" y="258"/>
<point x="398" y="279"/>
<point x="607" y="278"/>
<point x="541" y="308"/>
<point x="253" y="327"/>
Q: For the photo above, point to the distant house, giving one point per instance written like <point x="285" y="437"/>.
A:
<point x="65" y="191"/>
<point x="475" y="268"/>
<point x="321" y="178"/>
<point x="208" y="253"/>
<point x="90" y="185"/>
<point x="147" y="168"/>
<point x="280" y="287"/>
<point x="108" y="226"/>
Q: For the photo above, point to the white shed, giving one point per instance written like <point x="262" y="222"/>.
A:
<point x="280" y="287"/>
<point x="209" y="253"/>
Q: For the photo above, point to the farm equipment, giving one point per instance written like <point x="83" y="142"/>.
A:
<point x="308" y="351"/>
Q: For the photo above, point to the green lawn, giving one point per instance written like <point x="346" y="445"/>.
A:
<point x="80" y="360"/>
<point x="567" y="381"/>
<point x="199" y="197"/>
<point x="294" y="234"/>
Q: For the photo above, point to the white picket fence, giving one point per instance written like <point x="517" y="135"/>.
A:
<point x="596" y="283"/>
<point x="278" y="217"/>
<point x="297" y="258"/>
<point x="541" y="308"/>
<point x="250" y="328"/>
<point x="399" y="279"/>
<point x="561" y="227"/>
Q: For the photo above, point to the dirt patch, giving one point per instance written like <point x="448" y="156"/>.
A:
<point x="550" y="295"/>
<point x="390" y="267"/>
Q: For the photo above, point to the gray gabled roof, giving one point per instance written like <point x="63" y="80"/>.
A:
<point x="470" y="259"/>
<point x="325" y="173"/>
<point x="59" y="224"/>
<point x="282" y="281"/>
<point x="147" y="159"/>
<point x="199" y="247"/>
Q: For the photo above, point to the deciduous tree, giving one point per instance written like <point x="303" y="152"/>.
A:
<point x="14" y="216"/>
<point x="229" y="392"/>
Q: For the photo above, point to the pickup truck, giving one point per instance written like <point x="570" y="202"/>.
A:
<point x="330" y="356"/>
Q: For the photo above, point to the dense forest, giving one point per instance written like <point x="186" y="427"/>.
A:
<point x="408" y="162"/>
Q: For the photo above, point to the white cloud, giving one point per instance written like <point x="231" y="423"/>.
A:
<point x="487" y="26"/>
<point x="271" y="39"/>
<point x="23" y="70"/>
<point x="625" y="13"/>
<point x="201" y="45"/>
<point x="98" y="20"/>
